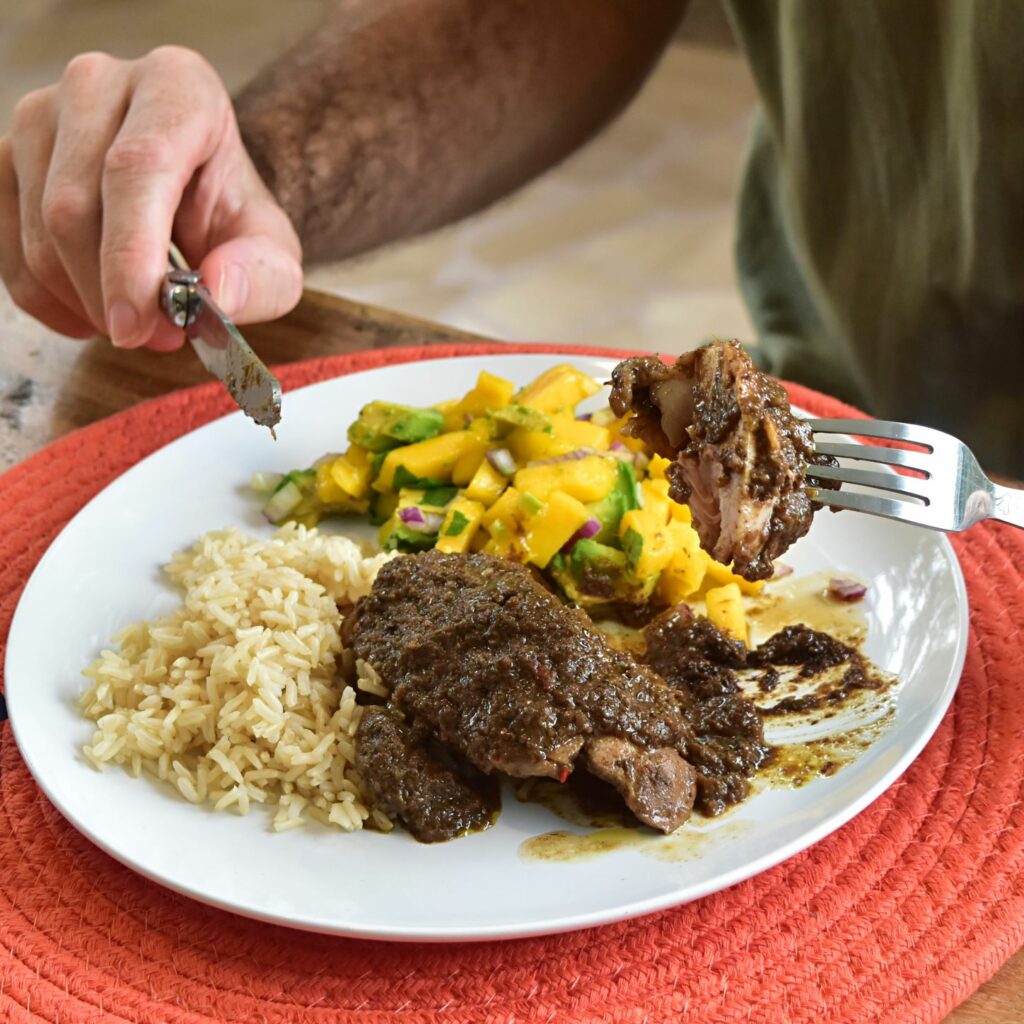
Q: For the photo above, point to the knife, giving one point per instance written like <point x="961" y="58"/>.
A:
<point x="218" y="343"/>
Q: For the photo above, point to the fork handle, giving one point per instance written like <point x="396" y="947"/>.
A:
<point x="1008" y="505"/>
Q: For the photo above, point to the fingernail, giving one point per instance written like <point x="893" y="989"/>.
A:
<point x="233" y="290"/>
<point x="122" y="324"/>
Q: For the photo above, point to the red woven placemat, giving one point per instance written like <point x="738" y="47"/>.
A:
<point x="898" y="916"/>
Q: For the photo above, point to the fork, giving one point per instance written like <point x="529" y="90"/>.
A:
<point x="952" y="493"/>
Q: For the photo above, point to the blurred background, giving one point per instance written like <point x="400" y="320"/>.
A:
<point x="628" y="243"/>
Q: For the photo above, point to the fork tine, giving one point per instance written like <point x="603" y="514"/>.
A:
<point x="922" y="515"/>
<point x="869" y="478"/>
<point x="891" y="431"/>
<point x="874" y="453"/>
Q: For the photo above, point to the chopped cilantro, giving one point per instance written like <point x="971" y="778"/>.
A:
<point x="457" y="525"/>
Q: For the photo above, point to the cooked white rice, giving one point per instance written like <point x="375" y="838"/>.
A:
<point x="234" y="697"/>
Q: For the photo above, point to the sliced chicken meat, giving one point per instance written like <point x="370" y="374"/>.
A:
<point x="740" y="456"/>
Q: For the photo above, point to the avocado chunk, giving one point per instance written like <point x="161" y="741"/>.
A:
<point x="396" y="536"/>
<point x="519" y="417"/>
<point x="594" y="574"/>
<point x="383" y="425"/>
<point x="623" y="496"/>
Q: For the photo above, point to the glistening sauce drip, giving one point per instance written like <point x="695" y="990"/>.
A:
<point x="809" y="744"/>
<point x="687" y="843"/>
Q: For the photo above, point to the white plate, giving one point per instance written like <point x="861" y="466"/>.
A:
<point x="103" y="571"/>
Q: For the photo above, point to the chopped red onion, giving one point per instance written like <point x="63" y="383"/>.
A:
<point x="501" y="459"/>
<point x="420" y="522"/>
<point x="411" y="514"/>
<point x="640" y="460"/>
<point x="591" y="528"/>
<point x="616" y="446"/>
<point x="846" y="590"/>
<point x="573" y="456"/>
<point x="585" y="416"/>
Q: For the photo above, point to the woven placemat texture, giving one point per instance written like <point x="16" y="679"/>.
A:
<point x="898" y="916"/>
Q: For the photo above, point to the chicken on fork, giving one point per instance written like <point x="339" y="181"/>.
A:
<point x="739" y="455"/>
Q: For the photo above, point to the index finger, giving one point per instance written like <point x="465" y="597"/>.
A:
<point x="169" y="131"/>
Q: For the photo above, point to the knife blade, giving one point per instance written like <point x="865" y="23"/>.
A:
<point x="219" y="344"/>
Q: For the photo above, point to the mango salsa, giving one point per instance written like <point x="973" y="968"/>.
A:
<point x="523" y="475"/>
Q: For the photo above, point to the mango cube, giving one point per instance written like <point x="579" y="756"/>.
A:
<point x="433" y="459"/>
<point x="561" y="387"/>
<point x="491" y="392"/>
<point x="581" y="433"/>
<point x="657" y="466"/>
<point x="486" y="484"/>
<point x="505" y="510"/>
<point x="683" y="575"/>
<point x="460" y="525"/>
<point x="351" y="471"/>
<point x="722" y="574"/>
<point x="656" y="499"/>
<point x="549" y="528"/>
<point x="725" y="610"/>
<point x="532" y="445"/>
<point x="588" y="479"/>
<point x="646" y="541"/>
<point x="327" y="491"/>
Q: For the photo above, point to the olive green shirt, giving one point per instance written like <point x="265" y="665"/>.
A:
<point x="881" y="240"/>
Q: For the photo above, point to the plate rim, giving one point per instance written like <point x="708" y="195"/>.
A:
<point x="497" y="932"/>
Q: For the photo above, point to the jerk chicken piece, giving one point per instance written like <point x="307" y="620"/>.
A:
<point x="740" y="456"/>
<point x="404" y="779"/>
<point x="499" y="672"/>
<point x="699" y="662"/>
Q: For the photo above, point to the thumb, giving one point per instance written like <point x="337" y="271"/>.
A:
<point x="253" y="277"/>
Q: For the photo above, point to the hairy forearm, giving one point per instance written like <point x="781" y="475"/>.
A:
<point x="398" y="116"/>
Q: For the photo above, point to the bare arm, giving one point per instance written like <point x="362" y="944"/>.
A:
<point x="395" y="117"/>
<point x="401" y="115"/>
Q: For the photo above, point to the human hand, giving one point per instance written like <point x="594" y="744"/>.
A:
<point x="100" y="170"/>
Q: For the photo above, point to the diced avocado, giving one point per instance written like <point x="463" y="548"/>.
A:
<point x="623" y="496"/>
<point x="398" y="537"/>
<point x="382" y="425"/>
<point x="632" y="545"/>
<point x="630" y="488"/>
<point x="513" y="416"/>
<point x="404" y="479"/>
<point x="382" y="507"/>
<point x="595" y="574"/>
